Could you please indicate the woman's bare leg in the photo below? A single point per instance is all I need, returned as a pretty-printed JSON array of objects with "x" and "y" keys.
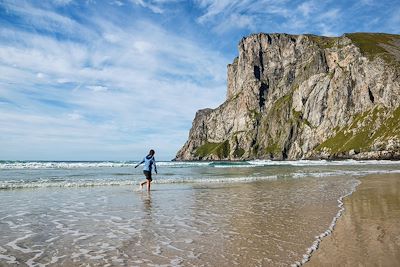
[{"x": 148, "y": 185}]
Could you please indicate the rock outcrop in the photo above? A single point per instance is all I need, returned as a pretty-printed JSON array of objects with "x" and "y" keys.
[{"x": 305, "y": 97}]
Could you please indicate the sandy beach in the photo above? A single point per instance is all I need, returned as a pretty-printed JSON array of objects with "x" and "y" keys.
[{"x": 368, "y": 233}]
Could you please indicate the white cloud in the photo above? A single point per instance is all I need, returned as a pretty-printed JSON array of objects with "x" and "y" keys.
[
  {"x": 144, "y": 86},
  {"x": 326, "y": 30},
  {"x": 148, "y": 4},
  {"x": 97, "y": 88},
  {"x": 367, "y": 2},
  {"x": 118, "y": 3},
  {"x": 213, "y": 8},
  {"x": 330, "y": 15},
  {"x": 112, "y": 38},
  {"x": 394, "y": 20},
  {"x": 75, "y": 116},
  {"x": 228, "y": 15},
  {"x": 306, "y": 8},
  {"x": 40, "y": 75},
  {"x": 236, "y": 21},
  {"x": 62, "y": 2},
  {"x": 268, "y": 15},
  {"x": 43, "y": 19}
]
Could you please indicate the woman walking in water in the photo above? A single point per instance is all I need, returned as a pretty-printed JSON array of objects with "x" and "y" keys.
[{"x": 148, "y": 161}]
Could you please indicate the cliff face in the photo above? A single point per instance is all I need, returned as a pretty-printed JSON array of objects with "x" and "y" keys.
[{"x": 305, "y": 96}]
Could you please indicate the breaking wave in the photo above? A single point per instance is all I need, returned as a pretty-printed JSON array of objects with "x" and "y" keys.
[{"x": 186, "y": 164}]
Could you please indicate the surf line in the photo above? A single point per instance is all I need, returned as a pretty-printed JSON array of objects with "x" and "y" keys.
[{"x": 318, "y": 238}]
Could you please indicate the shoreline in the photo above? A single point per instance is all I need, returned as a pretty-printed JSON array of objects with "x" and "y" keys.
[
  {"x": 319, "y": 238},
  {"x": 367, "y": 234}
]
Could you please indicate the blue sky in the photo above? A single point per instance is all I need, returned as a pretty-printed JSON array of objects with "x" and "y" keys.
[{"x": 108, "y": 80}]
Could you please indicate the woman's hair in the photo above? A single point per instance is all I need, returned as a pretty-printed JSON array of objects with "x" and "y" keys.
[{"x": 151, "y": 152}]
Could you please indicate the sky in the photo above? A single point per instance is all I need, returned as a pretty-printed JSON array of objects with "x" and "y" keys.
[{"x": 110, "y": 79}]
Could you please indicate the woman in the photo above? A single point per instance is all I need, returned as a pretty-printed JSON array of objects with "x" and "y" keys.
[{"x": 148, "y": 161}]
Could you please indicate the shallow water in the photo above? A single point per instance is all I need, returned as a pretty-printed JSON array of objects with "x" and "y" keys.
[
  {"x": 191, "y": 225},
  {"x": 258, "y": 216}
]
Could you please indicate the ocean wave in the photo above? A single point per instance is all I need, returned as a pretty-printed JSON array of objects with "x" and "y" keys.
[
  {"x": 90, "y": 164},
  {"x": 93, "y": 183},
  {"x": 22, "y": 185},
  {"x": 43, "y": 183},
  {"x": 186, "y": 164},
  {"x": 299, "y": 163},
  {"x": 342, "y": 173},
  {"x": 183, "y": 164},
  {"x": 323, "y": 162},
  {"x": 61, "y": 164}
]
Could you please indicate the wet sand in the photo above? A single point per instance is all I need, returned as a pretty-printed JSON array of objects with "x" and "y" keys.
[
  {"x": 263, "y": 223},
  {"x": 368, "y": 233}
]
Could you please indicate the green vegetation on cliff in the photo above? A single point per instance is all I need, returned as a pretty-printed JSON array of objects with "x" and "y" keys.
[
  {"x": 373, "y": 45},
  {"x": 366, "y": 128},
  {"x": 273, "y": 149},
  {"x": 221, "y": 150},
  {"x": 322, "y": 41},
  {"x": 298, "y": 117},
  {"x": 238, "y": 153}
]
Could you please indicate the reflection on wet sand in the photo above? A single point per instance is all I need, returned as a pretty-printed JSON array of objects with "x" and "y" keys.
[
  {"x": 255, "y": 224},
  {"x": 262, "y": 224},
  {"x": 368, "y": 234},
  {"x": 146, "y": 198}
]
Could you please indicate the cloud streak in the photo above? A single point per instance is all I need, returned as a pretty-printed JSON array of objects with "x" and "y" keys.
[{"x": 318, "y": 17}]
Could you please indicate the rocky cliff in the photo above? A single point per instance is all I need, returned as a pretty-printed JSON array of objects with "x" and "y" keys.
[{"x": 303, "y": 97}]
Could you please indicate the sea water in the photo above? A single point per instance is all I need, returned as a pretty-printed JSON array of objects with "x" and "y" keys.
[{"x": 253, "y": 213}]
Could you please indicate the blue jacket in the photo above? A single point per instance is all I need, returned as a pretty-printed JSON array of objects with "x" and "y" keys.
[{"x": 149, "y": 161}]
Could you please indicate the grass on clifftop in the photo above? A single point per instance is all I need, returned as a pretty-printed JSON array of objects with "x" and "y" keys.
[
  {"x": 370, "y": 44},
  {"x": 322, "y": 41}
]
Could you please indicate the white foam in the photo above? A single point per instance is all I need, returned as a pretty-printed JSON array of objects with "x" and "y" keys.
[
  {"x": 111, "y": 181},
  {"x": 92, "y": 164},
  {"x": 183, "y": 164},
  {"x": 54, "y": 259},
  {"x": 342, "y": 173},
  {"x": 82, "y": 237},
  {"x": 236, "y": 166},
  {"x": 323, "y": 162},
  {"x": 83, "y": 183},
  {"x": 216, "y": 180},
  {"x": 31, "y": 262},
  {"x": 318, "y": 239},
  {"x": 52, "y": 239},
  {"x": 108, "y": 182},
  {"x": 13, "y": 244},
  {"x": 9, "y": 259},
  {"x": 63, "y": 165}
]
